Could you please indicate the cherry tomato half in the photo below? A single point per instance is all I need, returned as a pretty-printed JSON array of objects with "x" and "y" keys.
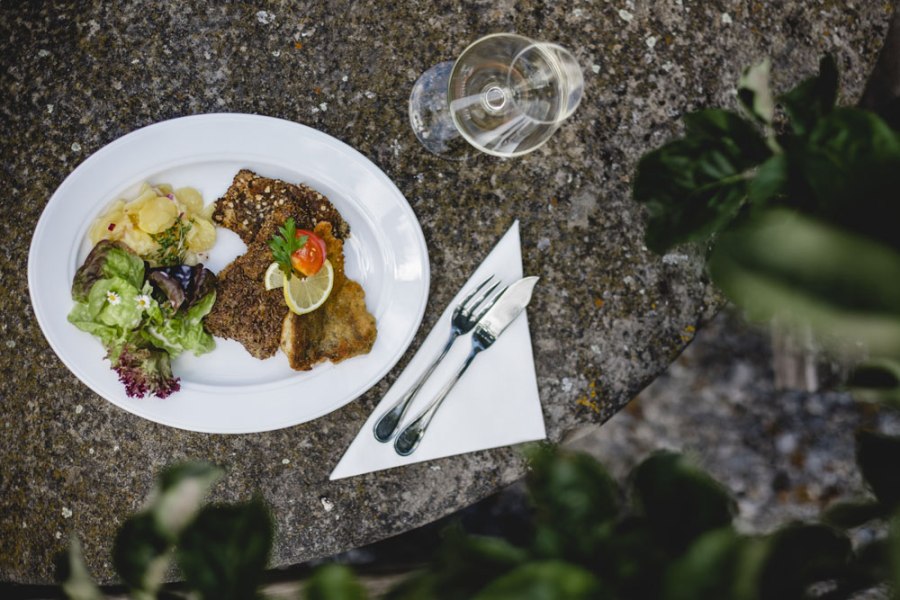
[{"x": 310, "y": 258}]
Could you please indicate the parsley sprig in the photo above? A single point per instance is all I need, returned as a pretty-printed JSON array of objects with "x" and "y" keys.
[{"x": 284, "y": 243}]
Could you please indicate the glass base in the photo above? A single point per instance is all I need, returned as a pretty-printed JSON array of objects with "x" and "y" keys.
[{"x": 429, "y": 114}]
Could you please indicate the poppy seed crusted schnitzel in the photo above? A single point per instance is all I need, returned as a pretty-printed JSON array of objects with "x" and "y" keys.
[
  {"x": 252, "y": 199},
  {"x": 255, "y": 207}
]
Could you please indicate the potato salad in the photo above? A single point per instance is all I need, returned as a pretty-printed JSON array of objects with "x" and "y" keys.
[{"x": 164, "y": 226}]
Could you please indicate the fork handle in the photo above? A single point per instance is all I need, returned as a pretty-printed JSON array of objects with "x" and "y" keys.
[
  {"x": 412, "y": 434},
  {"x": 387, "y": 424}
]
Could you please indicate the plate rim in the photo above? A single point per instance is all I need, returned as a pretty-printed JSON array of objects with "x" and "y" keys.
[{"x": 224, "y": 117}]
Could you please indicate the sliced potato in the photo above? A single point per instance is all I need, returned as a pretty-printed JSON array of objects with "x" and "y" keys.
[
  {"x": 157, "y": 215},
  {"x": 190, "y": 198},
  {"x": 139, "y": 241},
  {"x": 115, "y": 216},
  {"x": 201, "y": 236}
]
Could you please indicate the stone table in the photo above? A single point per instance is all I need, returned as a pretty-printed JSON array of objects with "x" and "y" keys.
[{"x": 608, "y": 317}]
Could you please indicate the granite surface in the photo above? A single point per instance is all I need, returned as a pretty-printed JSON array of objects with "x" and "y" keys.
[{"x": 607, "y": 319}]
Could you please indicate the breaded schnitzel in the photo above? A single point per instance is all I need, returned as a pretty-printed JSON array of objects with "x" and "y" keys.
[
  {"x": 254, "y": 207},
  {"x": 341, "y": 328}
]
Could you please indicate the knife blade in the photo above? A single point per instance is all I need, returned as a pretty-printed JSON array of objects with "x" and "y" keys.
[{"x": 507, "y": 308}]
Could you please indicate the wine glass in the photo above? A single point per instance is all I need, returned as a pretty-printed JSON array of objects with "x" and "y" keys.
[{"x": 505, "y": 95}]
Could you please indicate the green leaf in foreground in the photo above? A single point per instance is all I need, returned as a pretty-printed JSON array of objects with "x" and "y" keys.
[
  {"x": 799, "y": 555},
  {"x": 141, "y": 553},
  {"x": 77, "y": 583},
  {"x": 179, "y": 492},
  {"x": 813, "y": 99},
  {"x": 695, "y": 186},
  {"x": 805, "y": 271},
  {"x": 851, "y": 514},
  {"x": 754, "y": 92},
  {"x": 876, "y": 381},
  {"x": 223, "y": 553},
  {"x": 574, "y": 500},
  {"x": 878, "y": 456},
  {"x": 707, "y": 570},
  {"x": 334, "y": 582},
  {"x": 851, "y": 164},
  {"x": 679, "y": 501},
  {"x": 545, "y": 580}
]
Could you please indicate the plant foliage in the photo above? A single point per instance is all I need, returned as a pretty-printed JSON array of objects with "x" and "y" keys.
[{"x": 799, "y": 208}]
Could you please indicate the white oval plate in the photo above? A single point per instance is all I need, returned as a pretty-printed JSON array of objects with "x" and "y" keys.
[{"x": 227, "y": 390}]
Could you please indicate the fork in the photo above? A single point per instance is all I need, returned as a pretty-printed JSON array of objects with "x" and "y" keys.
[
  {"x": 408, "y": 439},
  {"x": 466, "y": 314}
]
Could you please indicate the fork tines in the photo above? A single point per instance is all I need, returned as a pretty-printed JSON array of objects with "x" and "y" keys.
[{"x": 471, "y": 302}]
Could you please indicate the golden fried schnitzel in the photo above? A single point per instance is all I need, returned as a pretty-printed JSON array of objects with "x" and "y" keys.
[{"x": 254, "y": 207}]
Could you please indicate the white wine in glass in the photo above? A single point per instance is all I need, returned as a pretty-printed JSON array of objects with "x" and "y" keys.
[{"x": 505, "y": 95}]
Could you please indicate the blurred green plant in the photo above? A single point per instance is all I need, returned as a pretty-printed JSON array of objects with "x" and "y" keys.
[
  {"x": 221, "y": 551},
  {"x": 799, "y": 208},
  {"x": 797, "y": 202},
  {"x": 668, "y": 533}
]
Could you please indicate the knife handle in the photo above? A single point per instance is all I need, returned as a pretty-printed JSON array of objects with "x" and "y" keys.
[
  {"x": 386, "y": 425},
  {"x": 412, "y": 434}
]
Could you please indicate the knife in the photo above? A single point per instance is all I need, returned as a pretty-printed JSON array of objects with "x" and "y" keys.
[{"x": 507, "y": 308}]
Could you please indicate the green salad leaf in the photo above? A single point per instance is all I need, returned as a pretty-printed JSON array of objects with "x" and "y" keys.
[
  {"x": 184, "y": 331},
  {"x": 107, "y": 259},
  {"x": 115, "y": 302}
]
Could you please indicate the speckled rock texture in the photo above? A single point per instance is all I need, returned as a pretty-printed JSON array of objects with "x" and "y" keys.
[{"x": 608, "y": 317}]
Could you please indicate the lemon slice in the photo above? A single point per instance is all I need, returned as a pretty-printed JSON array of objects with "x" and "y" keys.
[
  {"x": 306, "y": 294},
  {"x": 274, "y": 277}
]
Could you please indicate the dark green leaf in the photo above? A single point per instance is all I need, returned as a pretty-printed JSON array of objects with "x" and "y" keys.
[
  {"x": 851, "y": 162},
  {"x": 893, "y": 552},
  {"x": 181, "y": 488},
  {"x": 878, "y": 456},
  {"x": 848, "y": 515},
  {"x": 77, "y": 583},
  {"x": 876, "y": 381},
  {"x": 462, "y": 566},
  {"x": 545, "y": 580},
  {"x": 418, "y": 585},
  {"x": 694, "y": 187},
  {"x": 771, "y": 180},
  {"x": 574, "y": 499},
  {"x": 630, "y": 559},
  {"x": 679, "y": 501},
  {"x": 813, "y": 99},
  {"x": 223, "y": 553},
  {"x": 708, "y": 570},
  {"x": 334, "y": 582},
  {"x": 140, "y": 552},
  {"x": 843, "y": 285},
  {"x": 800, "y": 555}
]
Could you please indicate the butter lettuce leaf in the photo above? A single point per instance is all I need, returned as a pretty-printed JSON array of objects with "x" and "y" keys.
[
  {"x": 107, "y": 259},
  {"x": 183, "y": 332},
  {"x": 110, "y": 311}
]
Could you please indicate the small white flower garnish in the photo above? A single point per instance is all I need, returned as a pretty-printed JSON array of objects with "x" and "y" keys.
[
  {"x": 112, "y": 297},
  {"x": 142, "y": 301}
]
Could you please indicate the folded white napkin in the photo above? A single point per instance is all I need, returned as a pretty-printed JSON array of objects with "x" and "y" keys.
[{"x": 495, "y": 403}]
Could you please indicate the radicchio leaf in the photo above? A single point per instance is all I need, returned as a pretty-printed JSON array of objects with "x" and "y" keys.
[{"x": 182, "y": 286}]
